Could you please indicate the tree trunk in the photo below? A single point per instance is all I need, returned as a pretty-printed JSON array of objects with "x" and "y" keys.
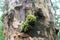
[{"x": 16, "y": 14}]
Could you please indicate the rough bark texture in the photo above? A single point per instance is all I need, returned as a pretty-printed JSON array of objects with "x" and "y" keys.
[{"x": 44, "y": 28}]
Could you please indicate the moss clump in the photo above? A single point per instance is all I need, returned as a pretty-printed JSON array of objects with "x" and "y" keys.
[
  {"x": 31, "y": 19},
  {"x": 29, "y": 23}
]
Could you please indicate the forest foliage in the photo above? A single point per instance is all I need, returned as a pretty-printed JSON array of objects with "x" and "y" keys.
[
  {"x": 56, "y": 7},
  {"x": 1, "y": 21}
]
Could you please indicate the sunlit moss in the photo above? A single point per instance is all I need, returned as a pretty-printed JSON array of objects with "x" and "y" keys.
[{"x": 29, "y": 23}]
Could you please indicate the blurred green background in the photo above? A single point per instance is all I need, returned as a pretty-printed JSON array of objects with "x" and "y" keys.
[
  {"x": 1, "y": 22},
  {"x": 56, "y": 7}
]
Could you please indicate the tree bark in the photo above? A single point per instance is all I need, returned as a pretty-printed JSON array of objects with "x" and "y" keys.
[{"x": 43, "y": 30}]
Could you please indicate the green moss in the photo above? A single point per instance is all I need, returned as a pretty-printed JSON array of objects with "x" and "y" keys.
[
  {"x": 25, "y": 26},
  {"x": 31, "y": 19},
  {"x": 29, "y": 23}
]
